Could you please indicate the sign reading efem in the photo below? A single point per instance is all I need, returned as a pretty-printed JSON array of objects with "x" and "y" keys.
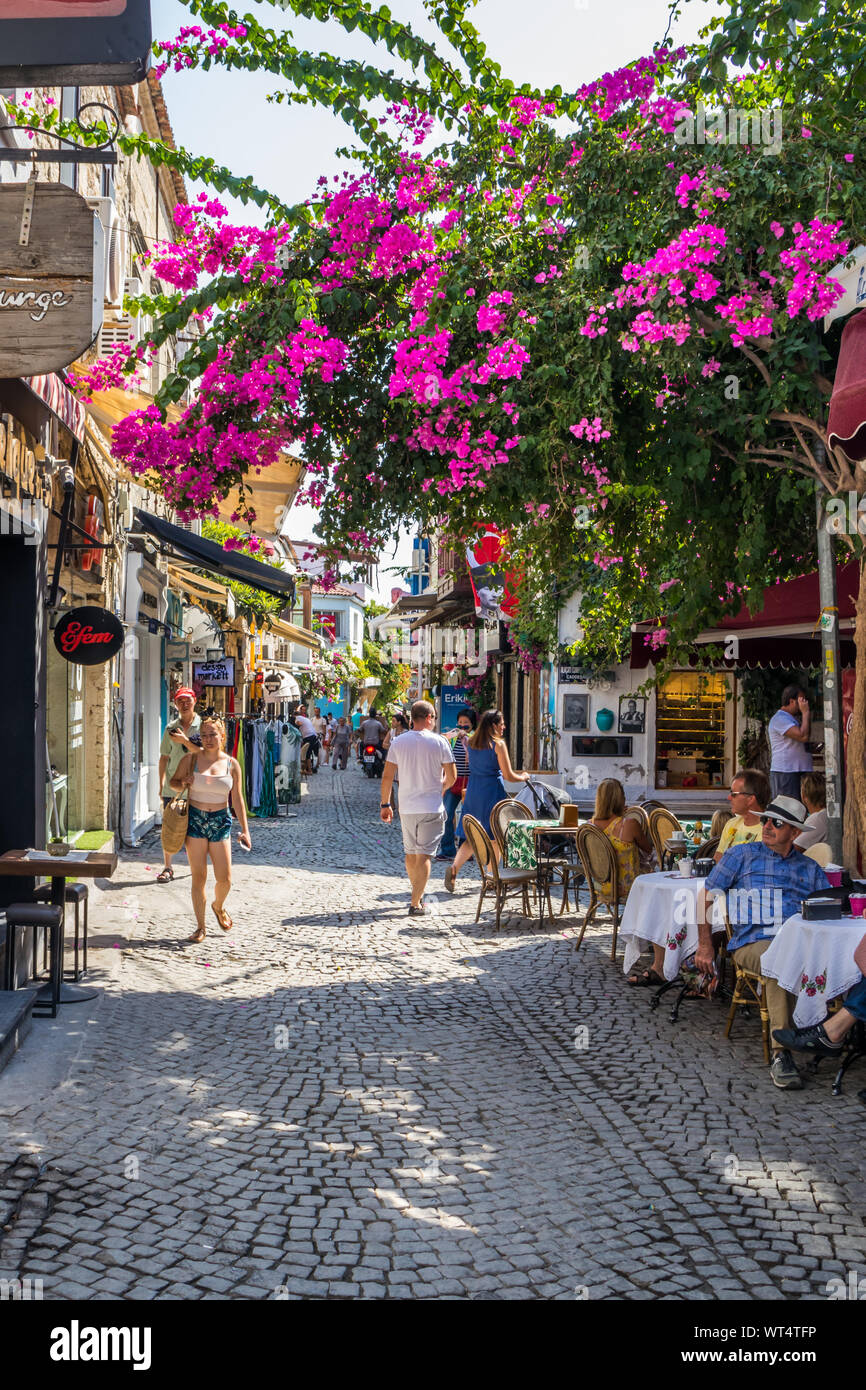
[{"x": 71, "y": 43}]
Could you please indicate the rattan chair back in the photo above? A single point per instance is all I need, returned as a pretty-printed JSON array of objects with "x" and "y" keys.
[
  {"x": 707, "y": 849},
  {"x": 639, "y": 814},
  {"x": 662, "y": 824},
  {"x": 480, "y": 844},
  {"x": 503, "y": 813},
  {"x": 598, "y": 858},
  {"x": 822, "y": 854}
]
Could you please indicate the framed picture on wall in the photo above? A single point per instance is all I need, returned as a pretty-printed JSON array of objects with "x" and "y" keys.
[
  {"x": 632, "y": 714},
  {"x": 575, "y": 711}
]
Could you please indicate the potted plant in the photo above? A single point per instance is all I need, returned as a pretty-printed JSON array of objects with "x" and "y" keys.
[{"x": 58, "y": 847}]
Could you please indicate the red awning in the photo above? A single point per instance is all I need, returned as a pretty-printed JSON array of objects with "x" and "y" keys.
[
  {"x": 60, "y": 400},
  {"x": 792, "y": 603},
  {"x": 796, "y": 602},
  {"x": 846, "y": 427}
]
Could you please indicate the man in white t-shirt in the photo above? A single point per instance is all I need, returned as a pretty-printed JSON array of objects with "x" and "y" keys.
[
  {"x": 309, "y": 740},
  {"x": 788, "y": 738},
  {"x": 425, "y": 763}
]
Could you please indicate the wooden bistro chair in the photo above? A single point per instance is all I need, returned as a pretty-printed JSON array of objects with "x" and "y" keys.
[
  {"x": 748, "y": 993},
  {"x": 821, "y": 855},
  {"x": 495, "y": 877},
  {"x": 662, "y": 824},
  {"x": 503, "y": 813},
  {"x": 639, "y": 814},
  {"x": 600, "y": 866}
]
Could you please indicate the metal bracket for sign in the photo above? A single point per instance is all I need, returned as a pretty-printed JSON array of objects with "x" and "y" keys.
[
  {"x": 27, "y": 210},
  {"x": 78, "y": 154}
]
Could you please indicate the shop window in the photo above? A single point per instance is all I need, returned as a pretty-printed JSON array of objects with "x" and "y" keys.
[{"x": 692, "y": 739}]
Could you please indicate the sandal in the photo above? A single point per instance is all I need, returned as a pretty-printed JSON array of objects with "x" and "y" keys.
[
  {"x": 222, "y": 917},
  {"x": 166, "y": 876},
  {"x": 198, "y": 935},
  {"x": 647, "y": 980}
]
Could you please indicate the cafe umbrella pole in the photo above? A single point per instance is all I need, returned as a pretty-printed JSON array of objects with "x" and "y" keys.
[{"x": 830, "y": 673}]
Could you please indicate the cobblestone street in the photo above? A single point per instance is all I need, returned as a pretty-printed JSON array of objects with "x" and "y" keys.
[{"x": 336, "y": 1100}]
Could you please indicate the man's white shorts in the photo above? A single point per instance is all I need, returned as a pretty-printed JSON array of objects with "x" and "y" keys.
[{"x": 422, "y": 833}]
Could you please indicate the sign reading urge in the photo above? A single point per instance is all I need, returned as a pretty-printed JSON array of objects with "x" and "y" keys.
[{"x": 50, "y": 294}]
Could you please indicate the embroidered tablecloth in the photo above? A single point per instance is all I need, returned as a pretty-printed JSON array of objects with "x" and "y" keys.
[
  {"x": 814, "y": 961},
  {"x": 661, "y": 909}
]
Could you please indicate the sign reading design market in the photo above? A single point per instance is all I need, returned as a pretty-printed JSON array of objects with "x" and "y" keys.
[
  {"x": 220, "y": 673},
  {"x": 70, "y": 43},
  {"x": 51, "y": 291},
  {"x": 88, "y": 636}
]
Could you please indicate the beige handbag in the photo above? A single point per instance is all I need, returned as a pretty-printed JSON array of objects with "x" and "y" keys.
[{"x": 175, "y": 820}]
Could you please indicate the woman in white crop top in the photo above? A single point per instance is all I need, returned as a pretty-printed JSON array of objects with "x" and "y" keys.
[{"x": 212, "y": 777}]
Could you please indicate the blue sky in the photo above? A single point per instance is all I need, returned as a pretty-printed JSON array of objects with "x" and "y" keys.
[{"x": 286, "y": 148}]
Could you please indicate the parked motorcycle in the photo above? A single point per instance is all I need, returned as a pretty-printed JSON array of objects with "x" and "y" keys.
[{"x": 372, "y": 760}]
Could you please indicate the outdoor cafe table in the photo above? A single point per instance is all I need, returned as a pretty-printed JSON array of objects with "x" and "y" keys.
[
  {"x": 814, "y": 961},
  {"x": 35, "y": 863},
  {"x": 520, "y": 840},
  {"x": 521, "y": 849},
  {"x": 662, "y": 909}
]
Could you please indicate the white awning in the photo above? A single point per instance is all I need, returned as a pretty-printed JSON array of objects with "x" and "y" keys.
[{"x": 280, "y": 685}]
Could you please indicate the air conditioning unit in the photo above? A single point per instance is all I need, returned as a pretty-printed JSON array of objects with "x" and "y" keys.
[
  {"x": 194, "y": 527},
  {"x": 116, "y": 248},
  {"x": 121, "y": 331},
  {"x": 125, "y": 513},
  {"x": 131, "y": 287}
]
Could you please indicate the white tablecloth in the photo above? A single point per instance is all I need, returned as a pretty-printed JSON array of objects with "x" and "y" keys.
[
  {"x": 814, "y": 961},
  {"x": 662, "y": 909}
]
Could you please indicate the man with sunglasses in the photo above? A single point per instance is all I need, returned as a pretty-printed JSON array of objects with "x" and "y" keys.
[
  {"x": 764, "y": 885},
  {"x": 466, "y": 722},
  {"x": 749, "y": 796}
]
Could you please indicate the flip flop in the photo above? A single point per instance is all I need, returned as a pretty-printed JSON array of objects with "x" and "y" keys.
[
  {"x": 198, "y": 935},
  {"x": 166, "y": 876},
  {"x": 221, "y": 913},
  {"x": 648, "y": 980}
]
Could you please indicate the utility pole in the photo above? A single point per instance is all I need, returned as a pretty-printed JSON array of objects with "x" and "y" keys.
[{"x": 830, "y": 673}]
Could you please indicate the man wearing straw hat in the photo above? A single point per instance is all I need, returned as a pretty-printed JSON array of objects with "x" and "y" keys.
[{"x": 177, "y": 741}]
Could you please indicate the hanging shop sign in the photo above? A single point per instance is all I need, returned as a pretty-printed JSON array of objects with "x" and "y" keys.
[
  {"x": 220, "y": 673},
  {"x": 70, "y": 43},
  {"x": 580, "y": 675},
  {"x": 51, "y": 273},
  {"x": 455, "y": 698},
  {"x": 88, "y": 636},
  {"x": 19, "y": 465}
]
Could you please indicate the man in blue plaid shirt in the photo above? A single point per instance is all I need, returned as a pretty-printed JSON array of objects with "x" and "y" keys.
[{"x": 764, "y": 885}]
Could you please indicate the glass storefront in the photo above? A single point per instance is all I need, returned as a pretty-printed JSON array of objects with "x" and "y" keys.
[{"x": 694, "y": 730}]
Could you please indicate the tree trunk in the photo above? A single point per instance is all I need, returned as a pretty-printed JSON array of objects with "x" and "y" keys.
[{"x": 855, "y": 786}]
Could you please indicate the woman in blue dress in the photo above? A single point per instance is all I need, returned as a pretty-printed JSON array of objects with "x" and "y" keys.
[{"x": 489, "y": 763}]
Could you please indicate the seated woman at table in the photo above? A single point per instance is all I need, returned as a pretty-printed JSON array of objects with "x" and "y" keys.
[
  {"x": 628, "y": 840},
  {"x": 749, "y": 795},
  {"x": 813, "y": 790}
]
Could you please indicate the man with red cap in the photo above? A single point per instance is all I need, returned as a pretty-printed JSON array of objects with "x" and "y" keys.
[{"x": 176, "y": 743}]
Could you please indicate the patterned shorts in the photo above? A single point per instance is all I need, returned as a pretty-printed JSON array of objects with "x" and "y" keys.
[{"x": 209, "y": 825}]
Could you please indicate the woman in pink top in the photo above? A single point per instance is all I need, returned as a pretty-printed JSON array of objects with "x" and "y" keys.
[{"x": 212, "y": 777}]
